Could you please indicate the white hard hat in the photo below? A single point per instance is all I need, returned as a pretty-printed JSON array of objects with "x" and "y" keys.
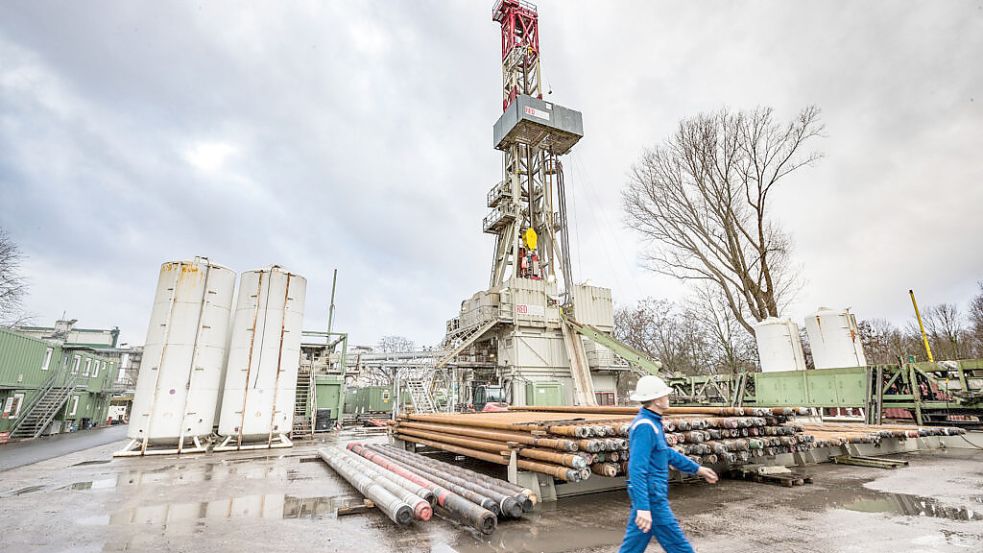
[{"x": 650, "y": 387}]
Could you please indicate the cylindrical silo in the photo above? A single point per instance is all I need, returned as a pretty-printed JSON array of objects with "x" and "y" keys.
[
  {"x": 181, "y": 370},
  {"x": 835, "y": 339},
  {"x": 264, "y": 356},
  {"x": 779, "y": 345}
]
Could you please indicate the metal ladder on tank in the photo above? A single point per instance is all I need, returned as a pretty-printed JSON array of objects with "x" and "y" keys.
[{"x": 305, "y": 412}]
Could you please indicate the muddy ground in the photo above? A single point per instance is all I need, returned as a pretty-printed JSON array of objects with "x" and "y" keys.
[{"x": 287, "y": 501}]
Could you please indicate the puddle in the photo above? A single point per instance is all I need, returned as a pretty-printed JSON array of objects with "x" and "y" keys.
[
  {"x": 86, "y": 463},
  {"x": 269, "y": 506},
  {"x": 23, "y": 491},
  {"x": 865, "y": 500},
  {"x": 912, "y": 505}
]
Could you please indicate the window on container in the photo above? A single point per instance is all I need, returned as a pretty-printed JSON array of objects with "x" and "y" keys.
[
  {"x": 88, "y": 367},
  {"x": 15, "y": 405},
  {"x": 47, "y": 359},
  {"x": 76, "y": 361},
  {"x": 74, "y": 406}
]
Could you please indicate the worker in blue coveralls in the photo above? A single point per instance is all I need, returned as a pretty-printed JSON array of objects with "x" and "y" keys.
[{"x": 649, "y": 458}]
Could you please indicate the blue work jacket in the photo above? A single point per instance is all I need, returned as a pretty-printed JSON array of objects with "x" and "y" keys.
[{"x": 649, "y": 459}]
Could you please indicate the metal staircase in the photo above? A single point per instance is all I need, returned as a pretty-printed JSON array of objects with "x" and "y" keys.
[
  {"x": 39, "y": 414},
  {"x": 462, "y": 341},
  {"x": 420, "y": 395},
  {"x": 304, "y": 413}
]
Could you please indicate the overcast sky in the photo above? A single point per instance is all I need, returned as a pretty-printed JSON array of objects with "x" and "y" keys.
[{"x": 357, "y": 136}]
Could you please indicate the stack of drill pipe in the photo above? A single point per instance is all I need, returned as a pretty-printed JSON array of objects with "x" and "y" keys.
[
  {"x": 524, "y": 496},
  {"x": 458, "y": 506},
  {"x": 396, "y": 509},
  {"x": 467, "y": 492},
  {"x": 566, "y": 459},
  {"x": 588, "y": 436},
  {"x": 510, "y": 504},
  {"x": 503, "y": 436},
  {"x": 415, "y": 496},
  {"x": 835, "y": 434}
]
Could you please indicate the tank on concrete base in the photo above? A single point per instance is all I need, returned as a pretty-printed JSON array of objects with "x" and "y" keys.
[
  {"x": 264, "y": 356},
  {"x": 779, "y": 345},
  {"x": 184, "y": 354},
  {"x": 835, "y": 339}
]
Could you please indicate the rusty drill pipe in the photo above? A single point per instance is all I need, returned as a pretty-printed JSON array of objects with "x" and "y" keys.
[
  {"x": 558, "y": 458},
  {"x": 524, "y": 496},
  {"x": 505, "y": 504},
  {"x": 563, "y": 473},
  {"x": 605, "y": 469},
  {"x": 422, "y": 509},
  {"x": 482, "y": 519},
  {"x": 498, "y": 436},
  {"x": 394, "y": 508}
]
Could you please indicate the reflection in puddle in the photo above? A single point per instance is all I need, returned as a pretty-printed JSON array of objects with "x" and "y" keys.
[
  {"x": 269, "y": 506},
  {"x": 22, "y": 491},
  {"x": 912, "y": 505},
  {"x": 86, "y": 463}
]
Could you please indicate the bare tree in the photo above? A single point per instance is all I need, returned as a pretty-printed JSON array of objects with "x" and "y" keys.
[
  {"x": 13, "y": 287},
  {"x": 945, "y": 330},
  {"x": 976, "y": 321},
  {"x": 395, "y": 344},
  {"x": 701, "y": 201},
  {"x": 730, "y": 347},
  {"x": 884, "y": 343}
]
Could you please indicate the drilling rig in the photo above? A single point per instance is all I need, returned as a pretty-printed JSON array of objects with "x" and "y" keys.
[{"x": 534, "y": 337}]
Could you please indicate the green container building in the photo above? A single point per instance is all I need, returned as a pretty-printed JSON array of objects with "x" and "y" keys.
[{"x": 31, "y": 368}]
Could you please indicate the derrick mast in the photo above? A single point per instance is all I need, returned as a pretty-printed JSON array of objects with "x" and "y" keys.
[{"x": 527, "y": 207}]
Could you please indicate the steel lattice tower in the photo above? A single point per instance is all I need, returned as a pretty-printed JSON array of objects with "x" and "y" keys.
[{"x": 530, "y": 194}]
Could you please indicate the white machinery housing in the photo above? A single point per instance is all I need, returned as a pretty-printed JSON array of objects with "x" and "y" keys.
[
  {"x": 183, "y": 358},
  {"x": 264, "y": 356}
]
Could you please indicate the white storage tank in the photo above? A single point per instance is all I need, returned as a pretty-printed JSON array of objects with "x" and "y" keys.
[
  {"x": 779, "y": 345},
  {"x": 264, "y": 357},
  {"x": 183, "y": 357},
  {"x": 835, "y": 339}
]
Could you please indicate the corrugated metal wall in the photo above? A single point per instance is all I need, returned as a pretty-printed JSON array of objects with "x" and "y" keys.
[{"x": 21, "y": 358}]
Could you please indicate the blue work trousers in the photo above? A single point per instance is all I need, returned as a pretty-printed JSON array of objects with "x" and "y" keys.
[{"x": 665, "y": 529}]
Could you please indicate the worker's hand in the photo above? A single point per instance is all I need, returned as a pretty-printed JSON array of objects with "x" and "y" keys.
[
  {"x": 643, "y": 519},
  {"x": 708, "y": 474}
]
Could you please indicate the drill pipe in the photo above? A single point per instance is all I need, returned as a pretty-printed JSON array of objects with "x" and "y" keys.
[
  {"x": 605, "y": 469},
  {"x": 565, "y": 459},
  {"x": 498, "y": 436},
  {"x": 394, "y": 508},
  {"x": 421, "y": 507},
  {"x": 504, "y": 504},
  {"x": 420, "y": 490},
  {"x": 476, "y": 515},
  {"x": 563, "y": 473},
  {"x": 524, "y": 496}
]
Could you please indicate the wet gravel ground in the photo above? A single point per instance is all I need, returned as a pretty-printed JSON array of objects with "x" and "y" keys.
[{"x": 286, "y": 500}]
